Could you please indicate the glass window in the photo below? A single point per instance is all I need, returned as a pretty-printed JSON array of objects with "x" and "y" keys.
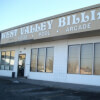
[
  {"x": 7, "y": 60},
  {"x": 6, "y": 67},
  {"x": 86, "y": 58},
  {"x": 12, "y": 60},
  {"x": 49, "y": 59},
  {"x": 34, "y": 53},
  {"x": 7, "y": 57},
  {"x": 97, "y": 59},
  {"x": 2, "y": 67},
  {"x": 41, "y": 59},
  {"x": 3, "y": 57},
  {"x": 73, "y": 59}
]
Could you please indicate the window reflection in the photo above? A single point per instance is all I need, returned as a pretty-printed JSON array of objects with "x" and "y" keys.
[
  {"x": 41, "y": 59},
  {"x": 97, "y": 59},
  {"x": 7, "y": 60},
  {"x": 49, "y": 60},
  {"x": 86, "y": 58},
  {"x": 6, "y": 67},
  {"x": 73, "y": 60},
  {"x": 3, "y": 57},
  {"x": 34, "y": 60},
  {"x": 12, "y": 60},
  {"x": 7, "y": 57},
  {"x": 2, "y": 67}
]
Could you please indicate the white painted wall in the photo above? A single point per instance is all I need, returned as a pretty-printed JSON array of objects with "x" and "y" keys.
[{"x": 60, "y": 62}]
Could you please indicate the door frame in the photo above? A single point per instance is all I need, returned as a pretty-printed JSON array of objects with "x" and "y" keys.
[{"x": 18, "y": 64}]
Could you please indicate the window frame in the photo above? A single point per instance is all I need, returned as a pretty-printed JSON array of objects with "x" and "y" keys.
[
  {"x": 44, "y": 60},
  {"x": 68, "y": 59},
  {"x": 31, "y": 59},
  {"x": 5, "y": 59},
  {"x": 80, "y": 58},
  {"x": 92, "y": 58}
]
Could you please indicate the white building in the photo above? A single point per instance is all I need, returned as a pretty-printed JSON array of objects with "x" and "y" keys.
[{"x": 62, "y": 48}]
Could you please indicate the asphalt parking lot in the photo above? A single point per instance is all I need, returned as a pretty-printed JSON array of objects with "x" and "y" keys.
[{"x": 14, "y": 90}]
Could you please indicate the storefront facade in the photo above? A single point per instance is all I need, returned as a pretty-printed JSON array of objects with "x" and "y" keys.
[{"x": 62, "y": 48}]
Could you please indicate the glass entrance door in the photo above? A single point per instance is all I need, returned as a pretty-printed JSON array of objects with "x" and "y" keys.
[{"x": 21, "y": 65}]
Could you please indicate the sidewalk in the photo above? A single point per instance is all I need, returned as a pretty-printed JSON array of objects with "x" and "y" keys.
[{"x": 77, "y": 87}]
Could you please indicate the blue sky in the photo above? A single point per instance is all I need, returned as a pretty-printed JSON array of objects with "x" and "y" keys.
[{"x": 17, "y": 12}]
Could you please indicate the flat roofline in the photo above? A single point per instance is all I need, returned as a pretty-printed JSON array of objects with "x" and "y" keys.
[{"x": 52, "y": 17}]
